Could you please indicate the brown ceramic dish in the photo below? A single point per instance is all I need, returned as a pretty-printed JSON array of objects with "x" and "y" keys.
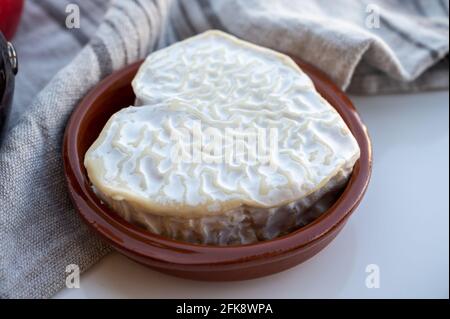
[{"x": 199, "y": 261}]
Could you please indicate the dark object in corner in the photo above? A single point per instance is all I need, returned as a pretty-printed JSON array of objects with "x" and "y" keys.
[{"x": 8, "y": 69}]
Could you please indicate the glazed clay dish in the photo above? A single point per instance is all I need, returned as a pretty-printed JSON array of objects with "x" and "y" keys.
[{"x": 238, "y": 258}]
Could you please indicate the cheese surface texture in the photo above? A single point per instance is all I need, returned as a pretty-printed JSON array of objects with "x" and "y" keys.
[{"x": 223, "y": 124}]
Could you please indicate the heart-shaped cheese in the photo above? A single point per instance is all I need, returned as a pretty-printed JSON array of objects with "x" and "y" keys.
[{"x": 173, "y": 156}]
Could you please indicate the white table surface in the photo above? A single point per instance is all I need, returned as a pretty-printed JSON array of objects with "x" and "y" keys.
[{"x": 402, "y": 225}]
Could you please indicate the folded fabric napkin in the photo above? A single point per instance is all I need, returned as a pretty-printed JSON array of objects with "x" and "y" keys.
[{"x": 364, "y": 46}]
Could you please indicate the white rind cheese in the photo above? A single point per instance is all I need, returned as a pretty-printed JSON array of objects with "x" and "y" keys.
[{"x": 198, "y": 97}]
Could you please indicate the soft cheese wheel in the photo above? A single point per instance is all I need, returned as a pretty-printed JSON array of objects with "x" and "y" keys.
[{"x": 217, "y": 83}]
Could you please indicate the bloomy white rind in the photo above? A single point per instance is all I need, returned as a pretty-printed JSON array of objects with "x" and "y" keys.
[
  {"x": 316, "y": 146},
  {"x": 140, "y": 84}
]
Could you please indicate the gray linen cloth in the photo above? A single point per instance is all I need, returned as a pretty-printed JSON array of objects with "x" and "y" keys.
[{"x": 366, "y": 47}]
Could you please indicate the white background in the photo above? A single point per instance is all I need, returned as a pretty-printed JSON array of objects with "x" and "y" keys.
[{"x": 402, "y": 225}]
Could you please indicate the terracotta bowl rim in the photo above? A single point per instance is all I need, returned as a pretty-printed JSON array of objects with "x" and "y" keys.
[{"x": 137, "y": 241}]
